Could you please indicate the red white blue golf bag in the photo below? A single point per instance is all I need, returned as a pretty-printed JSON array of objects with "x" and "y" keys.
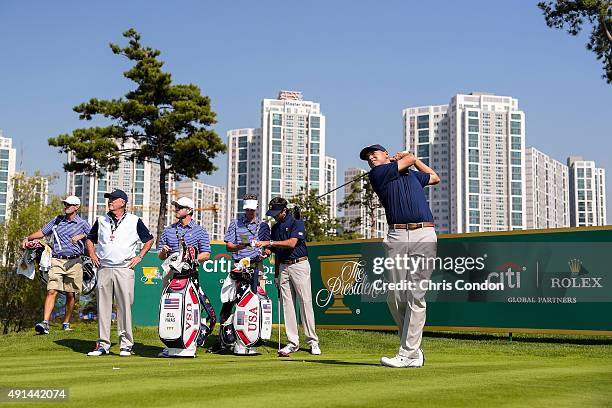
[
  {"x": 186, "y": 316},
  {"x": 251, "y": 323}
]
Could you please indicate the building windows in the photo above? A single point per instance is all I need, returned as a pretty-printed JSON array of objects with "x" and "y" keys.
[
  {"x": 277, "y": 119},
  {"x": 315, "y": 122},
  {"x": 276, "y": 146},
  {"x": 473, "y": 201},
  {"x": 473, "y": 170},
  {"x": 473, "y": 140},
  {"x": 423, "y": 136},
  {"x": 473, "y": 155},
  {"x": 474, "y": 187},
  {"x": 314, "y": 175},
  {"x": 276, "y": 132},
  {"x": 423, "y": 151},
  {"x": 474, "y": 217},
  {"x": 276, "y": 159}
]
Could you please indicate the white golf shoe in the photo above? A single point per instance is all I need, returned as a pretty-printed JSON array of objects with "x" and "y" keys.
[
  {"x": 287, "y": 350},
  {"x": 404, "y": 362},
  {"x": 315, "y": 349}
]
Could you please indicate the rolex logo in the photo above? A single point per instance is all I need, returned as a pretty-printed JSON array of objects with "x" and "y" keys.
[{"x": 575, "y": 265}]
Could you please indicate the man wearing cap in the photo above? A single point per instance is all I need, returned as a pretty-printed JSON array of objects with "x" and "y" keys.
[
  {"x": 239, "y": 238},
  {"x": 411, "y": 231},
  {"x": 187, "y": 230},
  {"x": 292, "y": 274},
  {"x": 68, "y": 233},
  {"x": 184, "y": 229},
  {"x": 116, "y": 234}
]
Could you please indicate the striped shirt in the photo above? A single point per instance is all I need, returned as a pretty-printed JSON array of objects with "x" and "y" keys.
[
  {"x": 64, "y": 231},
  {"x": 193, "y": 234},
  {"x": 242, "y": 227}
]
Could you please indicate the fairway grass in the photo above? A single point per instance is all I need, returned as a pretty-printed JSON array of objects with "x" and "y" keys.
[{"x": 461, "y": 370}]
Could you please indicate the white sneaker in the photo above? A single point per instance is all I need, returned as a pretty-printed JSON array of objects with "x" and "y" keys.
[
  {"x": 315, "y": 349},
  {"x": 98, "y": 351},
  {"x": 404, "y": 362},
  {"x": 125, "y": 352},
  {"x": 288, "y": 349}
]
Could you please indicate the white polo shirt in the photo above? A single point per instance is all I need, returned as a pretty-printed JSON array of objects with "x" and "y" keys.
[{"x": 117, "y": 246}]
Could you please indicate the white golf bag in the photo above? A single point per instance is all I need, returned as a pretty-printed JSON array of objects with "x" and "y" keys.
[
  {"x": 182, "y": 324},
  {"x": 251, "y": 323}
]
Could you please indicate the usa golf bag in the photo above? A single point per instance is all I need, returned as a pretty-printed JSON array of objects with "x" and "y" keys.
[
  {"x": 183, "y": 305},
  {"x": 251, "y": 323}
]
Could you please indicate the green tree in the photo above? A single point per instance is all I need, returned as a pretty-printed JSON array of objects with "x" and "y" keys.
[
  {"x": 21, "y": 300},
  {"x": 362, "y": 195},
  {"x": 320, "y": 226},
  {"x": 574, "y": 15},
  {"x": 169, "y": 125}
]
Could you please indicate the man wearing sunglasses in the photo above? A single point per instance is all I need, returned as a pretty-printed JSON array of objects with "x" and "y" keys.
[
  {"x": 184, "y": 229},
  {"x": 67, "y": 233},
  {"x": 116, "y": 234},
  {"x": 239, "y": 238}
]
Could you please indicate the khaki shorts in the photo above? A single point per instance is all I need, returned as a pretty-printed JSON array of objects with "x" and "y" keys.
[{"x": 66, "y": 275}]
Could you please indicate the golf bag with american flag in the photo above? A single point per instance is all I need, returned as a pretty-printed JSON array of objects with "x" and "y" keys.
[
  {"x": 186, "y": 316},
  {"x": 251, "y": 323}
]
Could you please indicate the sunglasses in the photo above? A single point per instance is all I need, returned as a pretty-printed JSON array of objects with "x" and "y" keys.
[
  {"x": 67, "y": 204},
  {"x": 179, "y": 207}
]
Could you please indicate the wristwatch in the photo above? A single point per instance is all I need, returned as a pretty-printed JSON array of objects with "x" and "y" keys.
[{"x": 270, "y": 243}]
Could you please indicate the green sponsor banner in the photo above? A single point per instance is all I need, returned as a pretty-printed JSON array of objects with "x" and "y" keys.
[
  {"x": 548, "y": 282},
  {"x": 213, "y": 272}
]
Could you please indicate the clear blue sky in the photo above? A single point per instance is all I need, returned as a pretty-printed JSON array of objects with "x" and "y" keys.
[{"x": 364, "y": 61}]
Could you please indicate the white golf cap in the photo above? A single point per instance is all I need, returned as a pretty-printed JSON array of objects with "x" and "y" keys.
[
  {"x": 184, "y": 202},
  {"x": 249, "y": 205},
  {"x": 72, "y": 200}
]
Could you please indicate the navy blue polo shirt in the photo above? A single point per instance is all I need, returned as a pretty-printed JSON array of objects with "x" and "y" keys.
[
  {"x": 402, "y": 194},
  {"x": 289, "y": 228}
]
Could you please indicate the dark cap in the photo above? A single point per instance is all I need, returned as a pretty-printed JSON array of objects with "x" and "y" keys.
[
  {"x": 117, "y": 194},
  {"x": 364, "y": 152},
  {"x": 276, "y": 205}
]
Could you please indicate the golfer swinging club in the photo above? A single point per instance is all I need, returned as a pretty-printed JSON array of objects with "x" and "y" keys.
[{"x": 411, "y": 231}]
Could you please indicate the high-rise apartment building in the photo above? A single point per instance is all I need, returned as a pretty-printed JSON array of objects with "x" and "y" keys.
[
  {"x": 360, "y": 213},
  {"x": 587, "y": 193},
  {"x": 476, "y": 144},
  {"x": 8, "y": 159},
  {"x": 547, "y": 189},
  {"x": 209, "y": 203},
  {"x": 283, "y": 157}
]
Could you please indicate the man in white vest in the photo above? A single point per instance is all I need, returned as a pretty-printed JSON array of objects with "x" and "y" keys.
[{"x": 116, "y": 234}]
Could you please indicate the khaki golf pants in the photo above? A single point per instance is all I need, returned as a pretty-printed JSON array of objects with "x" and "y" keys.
[
  {"x": 117, "y": 283},
  {"x": 408, "y": 306},
  {"x": 295, "y": 280}
]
